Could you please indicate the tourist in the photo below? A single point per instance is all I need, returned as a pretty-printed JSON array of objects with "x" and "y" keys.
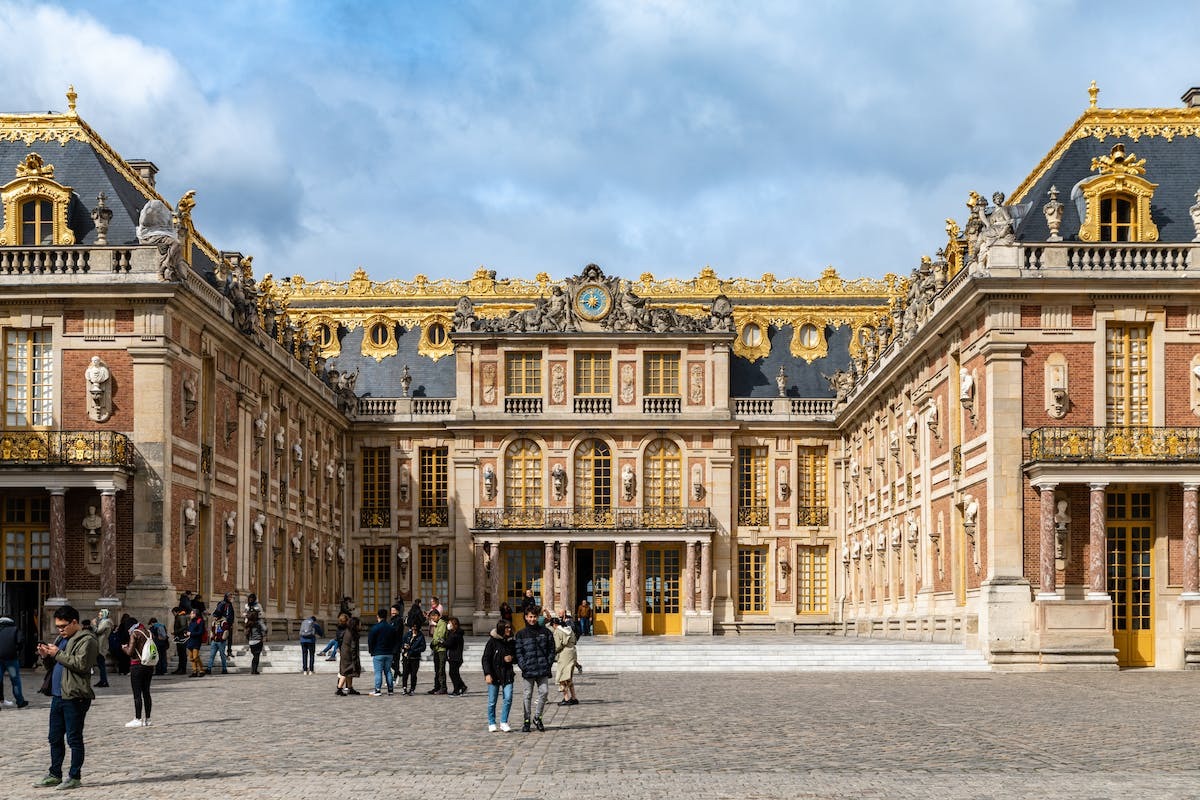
[
  {"x": 381, "y": 644},
  {"x": 217, "y": 637},
  {"x": 140, "y": 673},
  {"x": 196, "y": 632},
  {"x": 185, "y": 600},
  {"x": 69, "y": 662},
  {"x": 454, "y": 655},
  {"x": 180, "y": 634},
  {"x": 437, "y": 644},
  {"x": 528, "y": 602},
  {"x": 224, "y": 610},
  {"x": 252, "y": 604},
  {"x": 102, "y": 626},
  {"x": 410, "y": 658},
  {"x": 310, "y": 629},
  {"x": 499, "y": 673},
  {"x": 117, "y": 639},
  {"x": 397, "y": 623},
  {"x": 256, "y": 637},
  {"x": 346, "y": 606},
  {"x": 162, "y": 642},
  {"x": 506, "y": 612},
  {"x": 415, "y": 615},
  {"x": 12, "y": 641},
  {"x": 349, "y": 661},
  {"x": 535, "y": 654},
  {"x": 565, "y": 660},
  {"x": 435, "y": 604},
  {"x": 583, "y": 617}
]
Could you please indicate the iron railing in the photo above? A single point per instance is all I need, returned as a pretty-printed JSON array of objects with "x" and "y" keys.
[
  {"x": 651, "y": 517},
  {"x": 1118, "y": 443},
  {"x": 812, "y": 515},
  {"x": 66, "y": 448},
  {"x": 434, "y": 516},
  {"x": 754, "y": 515},
  {"x": 374, "y": 518}
]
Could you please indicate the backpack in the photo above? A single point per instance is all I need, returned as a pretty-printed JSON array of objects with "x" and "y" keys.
[
  {"x": 149, "y": 653},
  {"x": 308, "y": 629},
  {"x": 204, "y": 635},
  {"x": 218, "y": 630}
]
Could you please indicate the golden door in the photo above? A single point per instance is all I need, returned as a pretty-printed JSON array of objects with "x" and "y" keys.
[
  {"x": 1131, "y": 576},
  {"x": 661, "y": 586}
]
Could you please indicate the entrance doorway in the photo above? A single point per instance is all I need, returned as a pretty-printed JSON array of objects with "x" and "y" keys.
[
  {"x": 20, "y": 601},
  {"x": 593, "y": 574},
  {"x": 663, "y": 570},
  {"x": 1131, "y": 576},
  {"x": 522, "y": 570}
]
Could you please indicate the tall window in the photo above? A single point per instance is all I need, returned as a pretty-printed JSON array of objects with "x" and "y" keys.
[
  {"x": 662, "y": 374},
  {"x": 433, "y": 572},
  {"x": 37, "y": 222},
  {"x": 810, "y": 486},
  {"x": 26, "y": 555},
  {"x": 376, "y": 579},
  {"x": 1117, "y": 223},
  {"x": 593, "y": 481},
  {"x": 1127, "y": 367},
  {"x": 593, "y": 373},
  {"x": 376, "y": 487},
  {"x": 434, "y": 509},
  {"x": 522, "y": 570},
  {"x": 752, "y": 486},
  {"x": 662, "y": 470},
  {"x": 28, "y": 379},
  {"x": 752, "y": 580},
  {"x": 523, "y": 374},
  {"x": 812, "y": 579},
  {"x": 523, "y": 475}
]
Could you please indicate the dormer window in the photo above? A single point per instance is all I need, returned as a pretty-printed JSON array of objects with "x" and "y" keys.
[
  {"x": 1117, "y": 218},
  {"x": 35, "y": 207},
  {"x": 1117, "y": 200},
  {"x": 37, "y": 222}
]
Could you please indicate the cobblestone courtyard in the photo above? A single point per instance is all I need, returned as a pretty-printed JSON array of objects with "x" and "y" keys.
[{"x": 852, "y": 735}]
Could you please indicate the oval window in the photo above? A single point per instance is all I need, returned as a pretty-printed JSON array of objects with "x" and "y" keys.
[
  {"x": 809, "y": 335},
  {"x": 324, "y": 335},
  {"x": 437, "y": 334},
  {"x": 751, "y": 334},
  {"x": 379, "y": 334}
]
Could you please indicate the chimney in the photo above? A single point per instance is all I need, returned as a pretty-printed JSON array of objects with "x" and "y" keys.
[
  {"x": 144, "y": 168},
  {"x": 1191, "y": 98}
]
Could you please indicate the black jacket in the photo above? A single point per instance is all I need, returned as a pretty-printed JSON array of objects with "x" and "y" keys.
[
  {"x": 381, "y": 639},
  {"x": 454, "y": 646},
  {"x": 11, "y": 640},
  {"x": 415, "y": 616},
  {"x": 502, "y": 672},
  {"x": 535, "y": 651},
  {"x": 414, "y": 645}
]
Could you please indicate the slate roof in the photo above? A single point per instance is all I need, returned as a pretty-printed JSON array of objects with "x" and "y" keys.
[
  {"x": 382, "y": 378},
  {"x": 757, "y": 379}
]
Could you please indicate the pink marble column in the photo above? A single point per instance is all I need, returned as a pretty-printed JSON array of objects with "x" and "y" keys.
[
  {"x": 618, "y": 594},
  {"x": 689, "y": 579},
  {"x": 1098, "y": 542},
  {"x": 1191, "y": 577},
  {"x": 480, "y": 577},
  {"x": 58, "y": 545},
  {"x": 108, "y": 544},
  {"x": 495, "y": 576},
  {"x": 564, "y": 570},
  {"x": 635, "y": 578},
  {"x": 548, "y": 574},
  {"x": 1046, "y": 592},
  {"x": 706, "y": 576}
]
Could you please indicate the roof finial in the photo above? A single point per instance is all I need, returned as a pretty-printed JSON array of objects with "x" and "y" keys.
[
  {"x": 71, "y": 97},
  {"x": 1093, "y": 93}
]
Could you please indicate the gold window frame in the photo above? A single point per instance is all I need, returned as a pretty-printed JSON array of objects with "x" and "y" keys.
[
  {"x": 35, "y": 181},
  {"x": 1120, "y": 174}
]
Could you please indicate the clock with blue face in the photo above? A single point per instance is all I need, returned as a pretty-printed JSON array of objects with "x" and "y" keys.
[{"x": 593, "y": 303}]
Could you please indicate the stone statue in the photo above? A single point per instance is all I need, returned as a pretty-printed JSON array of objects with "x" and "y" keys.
[
  {"x": 231, "y": 526},
  {"x": 189, "y": 516},
  {"x": 910, "y": 427},
  {"x": 1054, "y": 216},
  {"x": 99, "y": 390},
  {"x": 931, "y": 417},
  {"x": 914, "y": 529},
  {"x": 558, "y": 479},
  {"x": 1194, "y": 211},
  {"x": 783, "y": 483},
  {"x": 855, "y": 548},
  {"x": 189, "y": 397},
  {"x": 558, "y": 315},
  {"x": 297, "y": 453},
  {"x": 341, "y": 475},
  {"x": 102, "y": 215},
  {"x": 842, "y": 383},
  {"x": 260, "y": 522},
  {"x": 781, "y": 381},
  {"x": 91, "y": 525},
  {"x": 155, "y": 227},
  {"x": 966, "y": 385},
  {"x": 720, "y": 315},
  {"x": 314, "y": 549},
  {"x": 1062, "y": 514},
  {"x": 297, "y": 543},
  {"x": 895, "y": 539},
  {"x": 489, "y": 481},
  {"x": 260, "y": 427},
  {"x": 329, "y": 553},
  {"x": 279, "y": 441},
  {"x": 329, "y": 471},
  {"x": 341, "y": 554},
  {"x": 628, "y": 483},
  {"x": 464, "y": 314},
  {"x": 314, "y": 463},
  {"x": 970, "y": 512},
  {"x": 997, "y": 229}
]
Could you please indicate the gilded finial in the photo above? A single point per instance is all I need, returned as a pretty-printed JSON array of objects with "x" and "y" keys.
[
  {"x": 1093, "y": 93},
  {"x": 71, "y": 97}
]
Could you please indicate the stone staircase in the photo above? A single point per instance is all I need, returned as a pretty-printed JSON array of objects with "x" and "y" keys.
[{"x": 693, "y": 654}]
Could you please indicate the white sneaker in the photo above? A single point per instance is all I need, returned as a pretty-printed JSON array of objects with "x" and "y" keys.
[
  {"x": 7, "y": 703},
  {"x": 146, "y": 722},
  {"x": 133, "y": 723},
  {"x": 373, "y": 694},
  {"x": 504, "y": 727},
  {"x": 491, "y": 728}
]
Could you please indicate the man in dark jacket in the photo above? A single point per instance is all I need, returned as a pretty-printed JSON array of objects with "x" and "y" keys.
[
  {"x": 381, "y": 644},
  {"x": 179, "y": 632},
  {"x": 12, "y": 642},
  {"x": 535, "y": 654},
  {"x": 224, "y": 610},
  {"x": 70, "y": 661}
]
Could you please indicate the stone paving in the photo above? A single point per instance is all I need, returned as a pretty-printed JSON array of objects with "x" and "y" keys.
[{"x": 641, "y": 735}]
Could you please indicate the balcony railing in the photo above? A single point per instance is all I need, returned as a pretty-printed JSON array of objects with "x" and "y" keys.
[
  {"x": 1120, "y": 443},
  {"x": 522, "y": 405},
  {"x": 73, "y": 260},
  {"x": 754, "y": 515},
  {"x": 437, "y": 516},
  {"x": 661, "y": 405},
  {"x": 1108, "y": 257},
  {"x": 653, "y": 517},
  {"x": 812, "y": 515},
  {"x": 65, "y": 449},
  {"x": 374, "y": 518},
  {"x": 593, "y": 405},
  {"x": 427, "y": 406}
]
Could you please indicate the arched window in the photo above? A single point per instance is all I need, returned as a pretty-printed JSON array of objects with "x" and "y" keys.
[
  {"x": 662, "y": 467},
  {"x": 593, "y": 476},
  {"x": 37, "y": 221},
  {"x": 1117, "y": 218},
  {"x": 523, "y": 474}
]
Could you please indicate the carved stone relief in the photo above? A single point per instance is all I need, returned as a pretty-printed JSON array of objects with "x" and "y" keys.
[
  {"x": 627, "y": 372},
  {"x": 696, "y": 384},
  {"x": 558, "y": 383},
  {"x": 488, "y": 372}
]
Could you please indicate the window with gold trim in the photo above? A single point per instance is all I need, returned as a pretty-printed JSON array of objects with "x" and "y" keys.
[
  {"x": 1118, "y": 222},
  {"x": 433, "y": 572},
  {"x": 752, "y": 580},
  {"x": 523, "y": 475},
  {"x": 662, "y": 374},
  {"x": 28, "y": 378},
  {"x": 376, "y": 479},
  {"x": 812, "y": 579},
  {"x": 752, "y": 486},
  {"x": 433, "y": 466},
  {"x": 37, "y": 222},
  {"x": 26, "y": 554},
  {"x": 523, "y": 374},
  {"x": 662, "y": 467},
  {"x": 811, "y": 499},
  {"x": 1127, "y": 375},
  {"x": 593, "y": 373},
  {"x": 35, "y": 206},
  {"x": 593, "y": 476},
  {"x": 376, "y": 588}
]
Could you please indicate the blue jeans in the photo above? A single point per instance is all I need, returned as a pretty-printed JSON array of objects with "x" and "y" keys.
[
  {"x": 331, "y": 648},
  {"x": 494, "y": 693},
  {"x": 308, "y": 652},
  {"x": 213, "y": 649},
  {"x": 66, "y": 720},
  {"x": 12, "y": 669},
  {"x": 103, "y": 667},
  {"x": 383, "y": 668}
]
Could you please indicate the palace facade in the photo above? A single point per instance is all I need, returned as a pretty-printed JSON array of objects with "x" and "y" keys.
[{"x": 1001, "y": 447}]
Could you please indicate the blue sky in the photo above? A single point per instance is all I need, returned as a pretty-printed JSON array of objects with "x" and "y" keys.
[{"x": 660, "y": 136}]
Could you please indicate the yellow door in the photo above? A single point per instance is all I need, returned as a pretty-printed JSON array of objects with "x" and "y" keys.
[
  {"x": 661, "y": 591},
  {"x": 1130, "y": 576},
  {"x": 593, "y": 580},
  {"x": 522, "y": 570}
]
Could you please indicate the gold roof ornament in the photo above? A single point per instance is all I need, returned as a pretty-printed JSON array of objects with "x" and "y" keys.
[
  {"x": 1117, "y": 162},
  {"x": 34, "y": 167},
  {"x": 1093, "y": 94},
  {"x": 71, "y": 97}
]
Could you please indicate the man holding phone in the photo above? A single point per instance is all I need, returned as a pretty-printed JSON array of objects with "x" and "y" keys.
[{"x": 69, "y": 662}]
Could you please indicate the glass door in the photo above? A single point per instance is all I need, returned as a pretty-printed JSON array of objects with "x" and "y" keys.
[
  {"x": 1130, "y": 576},
  {"x": 663, "y": 570}
]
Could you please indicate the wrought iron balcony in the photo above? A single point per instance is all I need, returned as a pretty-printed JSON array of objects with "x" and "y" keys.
[
  {"x": 812, "y": 515},
  {"x": 754, "y": 515},
  {"x": 651, "y": 517},
  {"x": 66, "y": 449},
  {"x": 435, "y": 516},
  {"x": 374, "y": 518},
  {"x": 1119, "y": 443}
]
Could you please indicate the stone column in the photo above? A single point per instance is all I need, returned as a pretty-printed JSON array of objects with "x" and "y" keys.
[
  {"x": 689, "y": 579},
  {"x": 619, "y": 578},
  {"x": 635, "y": 577},
  {"x": 58, "y": 547},
  {"x": 1046, "y": 592},
  {"x": 1098, "y": 542},
  {"x": 1191, "y": 555},
  {"x": 547, "y": 574},
  {"x": 494, "y": 578},
  {"x": 564, "y": 569},
  {"x": 108, "y": 545},
  {"x": 706, "y": 576},
  {"x": 480, "y": 577}
]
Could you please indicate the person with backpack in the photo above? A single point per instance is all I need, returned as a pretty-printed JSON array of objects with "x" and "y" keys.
[
  {"x": 381, "y": 644},
  {"x": 12, "y": 641},
  {"x": 225, "y": 609},
  {"x": 143, "y": 656},
  {"x": 256, "y": 636},
  {"x": 410, "y": 658},
  {"x": 310, "y": 629},
  {"x": 218, "y": 638},
  {"x": 162, "y": 641},
  {"x": 438, "y": 645},
  {"x": 197, "y": 634}
]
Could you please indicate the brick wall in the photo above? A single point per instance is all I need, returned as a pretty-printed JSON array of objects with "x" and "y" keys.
[
  {"x": 1178, "y": 382},
  {"x": 74, "y": 406},
  {"x": 1080, "y": 367}
]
